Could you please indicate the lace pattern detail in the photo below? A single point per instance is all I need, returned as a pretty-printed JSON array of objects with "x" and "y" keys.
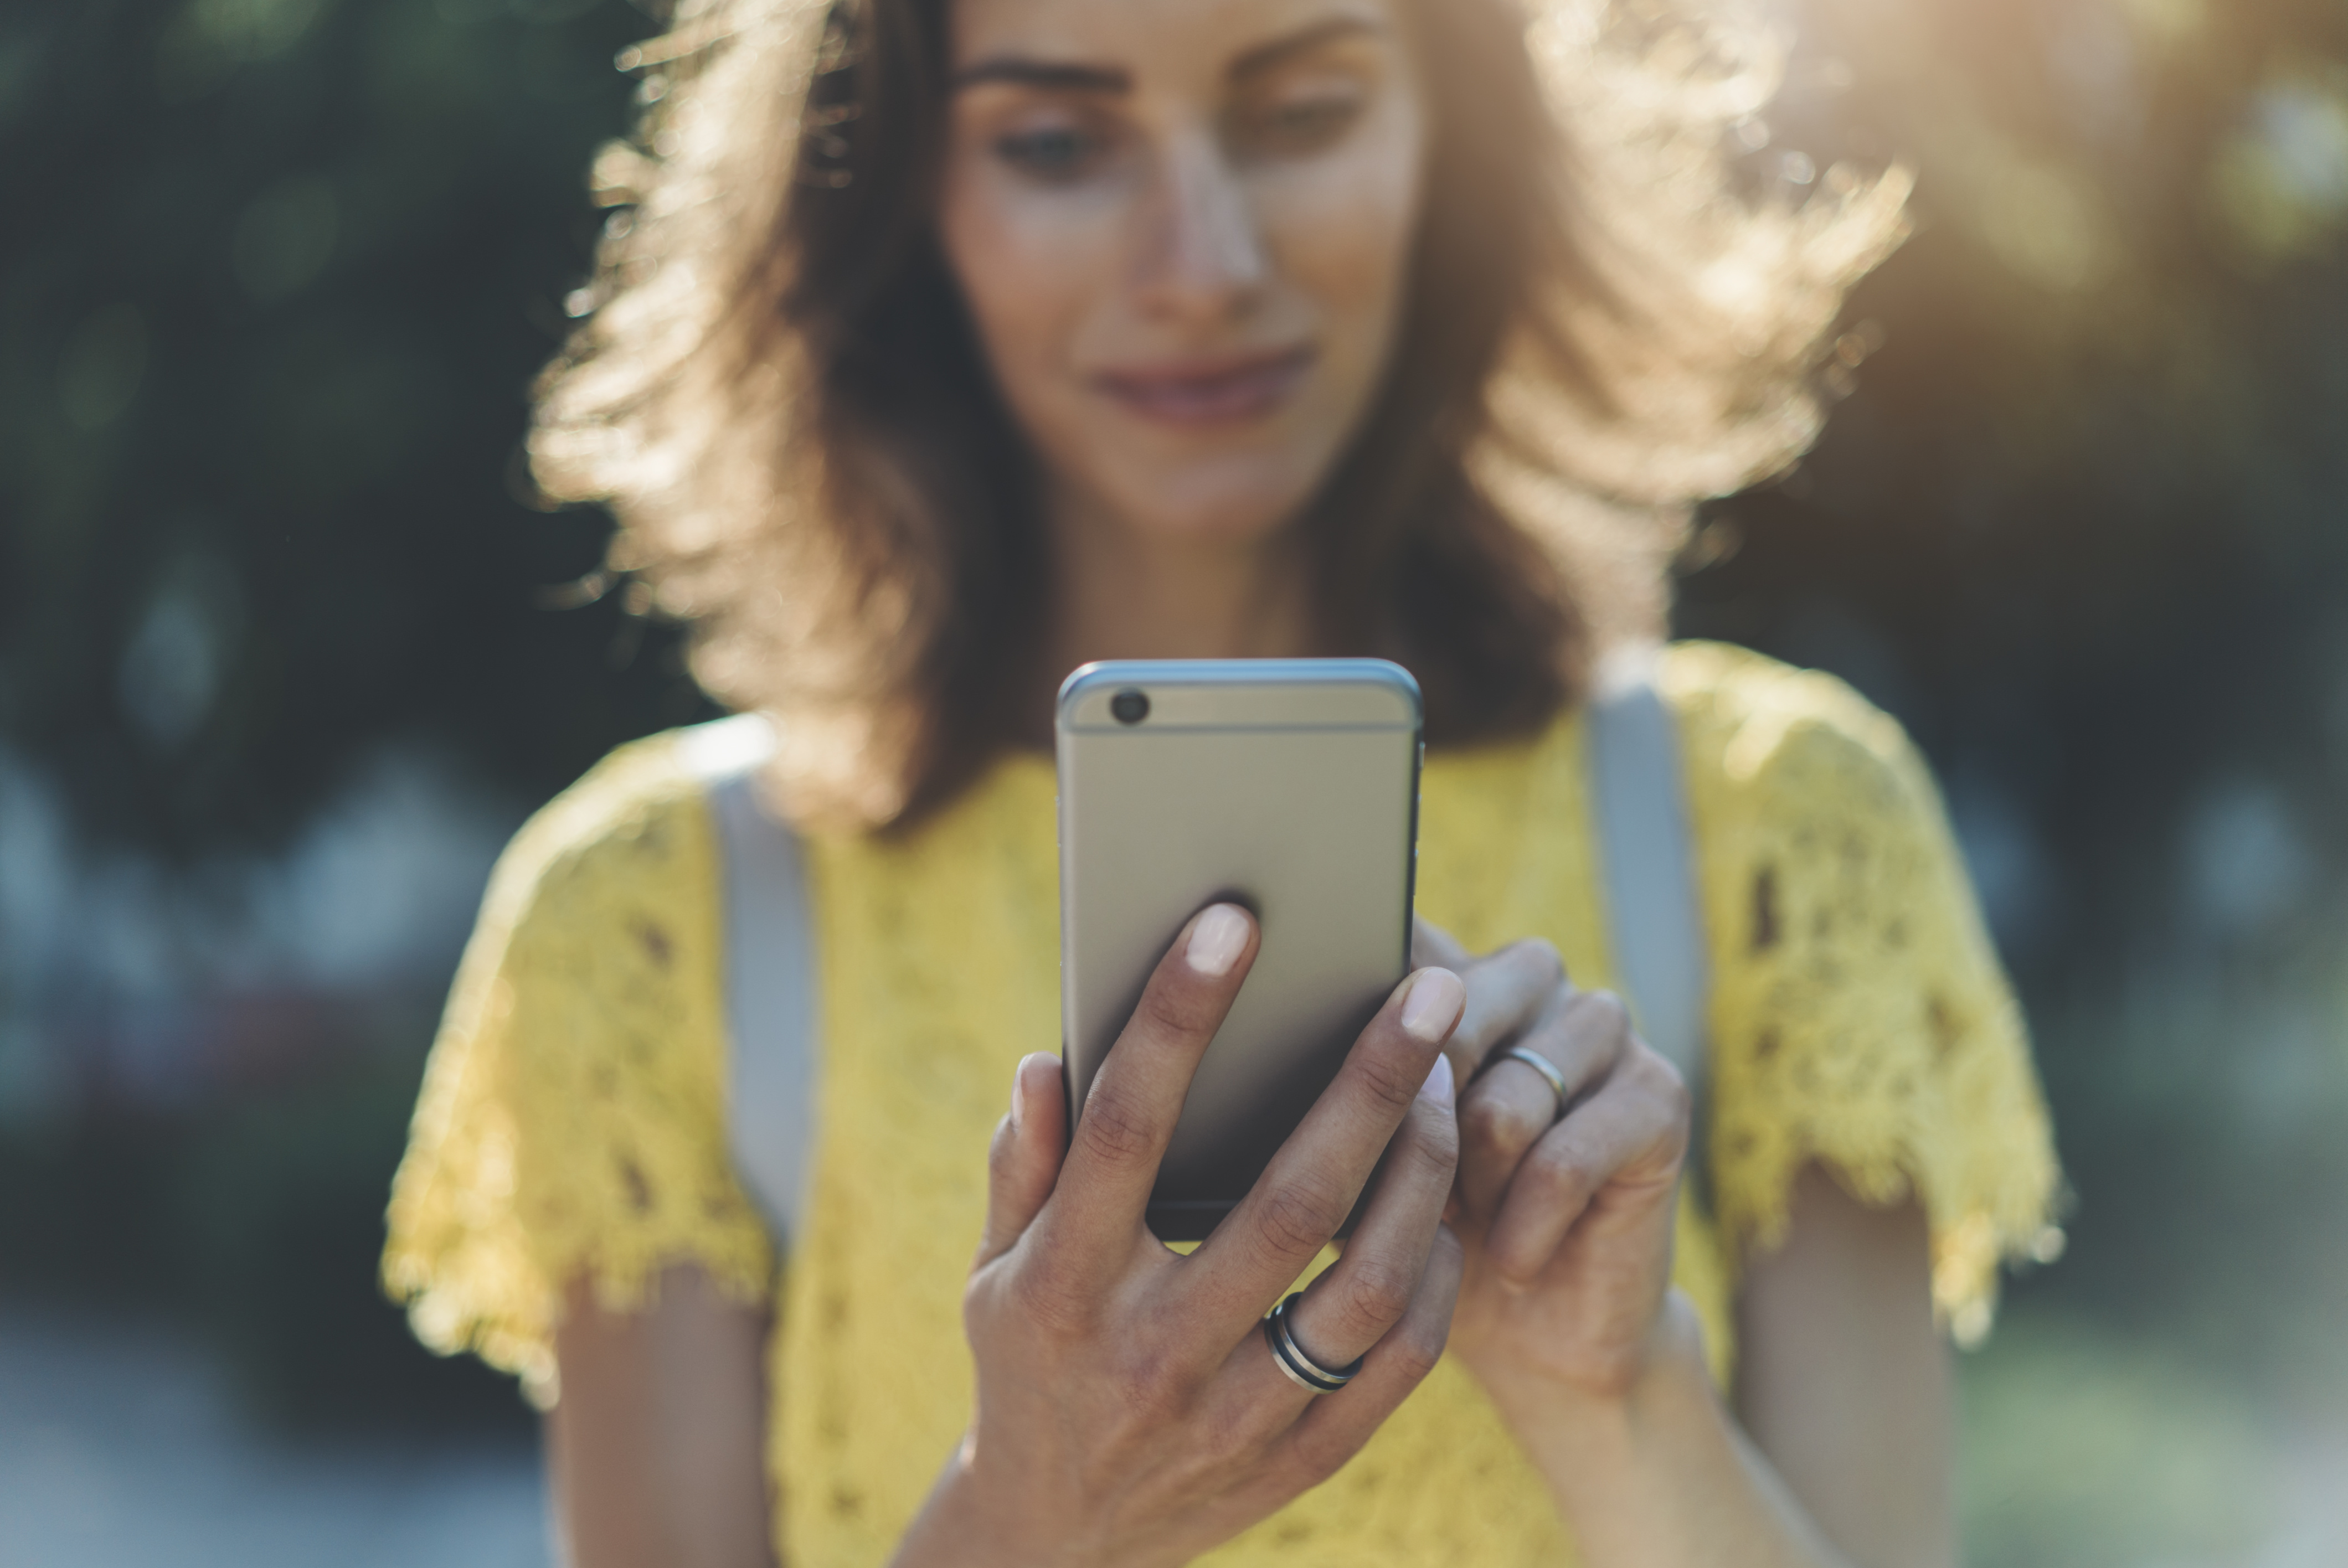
[
  {"x": 939, "y": 954},
  {"x": 1860, "y": 1017},
  {"x": 571, "y": 1121},
  {"x": 939, "y": 975}
]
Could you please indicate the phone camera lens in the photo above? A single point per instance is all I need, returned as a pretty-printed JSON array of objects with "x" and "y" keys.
[{"x": 1129, "y": 706}]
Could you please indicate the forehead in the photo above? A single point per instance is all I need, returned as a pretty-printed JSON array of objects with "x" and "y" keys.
[{"x": 1145, "y": 37}]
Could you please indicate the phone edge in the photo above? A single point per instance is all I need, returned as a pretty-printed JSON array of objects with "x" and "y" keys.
[{"x": 1383, "y": 672}]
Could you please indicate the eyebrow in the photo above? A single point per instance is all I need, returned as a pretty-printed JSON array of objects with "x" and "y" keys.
[
  {"x": 1303, "y": 41},
  {"x": 1063, "y": 76},
  {"x": 1049, "y": 74}
]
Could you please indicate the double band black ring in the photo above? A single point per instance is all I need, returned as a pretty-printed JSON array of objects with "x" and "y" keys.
[{"x": 1303, "y": 1370}]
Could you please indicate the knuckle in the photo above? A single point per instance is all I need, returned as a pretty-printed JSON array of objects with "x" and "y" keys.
[
  {"x": 1415, "y": 1348},
  {"x": 1678, "y": 1098},
  {"x": 979, "y": 1295},
  {"x": 1377, "y": 1292},
  {"x": 1436, "y": 1137},
  {"x": 1297, "y": 1219},
  {"x": 1676, "y": 1134},
  {"x": 1605, "y": 1014},
  {"x": 1176, "y": 1009},
  {"x": 1041, "y": 1296},
  {"x": 1386, "y": 1071},
  {"x": 1113, "y": 1129},
  {"x": 1541, "y": 954},
  {"x": 1493, "y": 1123},
  {"x": 1655, "y": 1074},
  {"x": 1560, "y": 1170},
  {"x": 1228, "y": 1436},
  {"x": 1319, "y": 1455}
]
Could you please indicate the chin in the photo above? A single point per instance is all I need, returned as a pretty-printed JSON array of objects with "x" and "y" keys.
[
  {"x": 1234, "y": 504},
  {"x": 1236, "y": 521}
]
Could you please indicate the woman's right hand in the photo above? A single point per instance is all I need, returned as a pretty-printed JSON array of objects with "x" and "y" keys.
[{"x": 1128, "y": 1409}]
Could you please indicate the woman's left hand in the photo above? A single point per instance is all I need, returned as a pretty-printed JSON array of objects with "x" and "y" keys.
[{"x": 1565, "y": 1205}]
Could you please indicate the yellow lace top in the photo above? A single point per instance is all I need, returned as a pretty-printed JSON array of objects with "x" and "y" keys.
[{"x": 572, "y": 1118}]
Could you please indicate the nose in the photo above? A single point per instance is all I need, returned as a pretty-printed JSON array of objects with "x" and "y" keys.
[{"x": 1202, "y": 255}]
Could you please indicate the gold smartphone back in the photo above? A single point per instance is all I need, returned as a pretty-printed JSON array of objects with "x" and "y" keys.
[{"x": 1288, "y": 785}]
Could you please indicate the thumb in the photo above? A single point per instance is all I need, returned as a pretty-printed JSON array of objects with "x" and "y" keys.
[{"x": 1024, "y": 1162}]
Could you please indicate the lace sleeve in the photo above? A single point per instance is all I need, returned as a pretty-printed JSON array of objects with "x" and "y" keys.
[
  {"x": 571, "y": 1119},
  {"x": 1859, "y": 1016}
]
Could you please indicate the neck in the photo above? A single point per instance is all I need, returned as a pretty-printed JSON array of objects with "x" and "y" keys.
[{"x": 1125, "y": 594}]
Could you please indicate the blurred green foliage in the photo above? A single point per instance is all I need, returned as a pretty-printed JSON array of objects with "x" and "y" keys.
[
  {"x": 278, "y": 278},
  {"x": 2082, "y": 523},
  {"x": 280, "y": 275},
  {"x": 2079, "y": 524}
]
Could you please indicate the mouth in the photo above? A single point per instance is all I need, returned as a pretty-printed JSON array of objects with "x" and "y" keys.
[{"x": 1230, "y": 390}]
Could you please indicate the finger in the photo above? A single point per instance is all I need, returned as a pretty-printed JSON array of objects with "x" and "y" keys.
[
  {"x": 1630, "y": 1136},
  {"x": 1511, "y": 1105},
  {"x": 1432, "y": 946},
  {"x": 1304, "y": 1194},
  {"x": 1024, "y": 1161},
  {"x": 1128, "y": 1115},
  {"x": 1334, "y": 1427},
  {"x": 1353, "y": 1305},
  {"x": 1506, "y": 993}
]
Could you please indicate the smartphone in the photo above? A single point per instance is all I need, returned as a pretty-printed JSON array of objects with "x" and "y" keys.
[{"x": 1289, "y": 786}]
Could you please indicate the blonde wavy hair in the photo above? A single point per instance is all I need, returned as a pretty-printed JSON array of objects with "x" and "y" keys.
[{"x": 776, "y": 393}]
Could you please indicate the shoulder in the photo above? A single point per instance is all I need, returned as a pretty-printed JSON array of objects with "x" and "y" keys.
[
  {"x": 1763, "y": 731},
  {"x": 640, "y": 815},
  {"x": 571, "y": 1119},
  {"x": 1762, "y": 712},
  {"x": 1859, "y": 1014}
]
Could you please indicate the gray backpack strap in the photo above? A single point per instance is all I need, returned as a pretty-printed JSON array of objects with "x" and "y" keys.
[
  {"x": 1646, "y": 856},
  {"x": 770, "y": 977}
]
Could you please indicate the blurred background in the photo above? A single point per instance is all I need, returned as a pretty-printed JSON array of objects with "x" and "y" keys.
[{"x": 287, "y": 652}]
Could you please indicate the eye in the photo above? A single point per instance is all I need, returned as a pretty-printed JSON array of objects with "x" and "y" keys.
[
  {"x": 1053, "y": 153},
  {"x": 1300, "y": 124}
]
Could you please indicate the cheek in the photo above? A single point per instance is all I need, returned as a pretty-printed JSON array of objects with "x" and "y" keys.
[
  {"x": 1342, "y": 231},
  {"x": 1028, "y": 270}
]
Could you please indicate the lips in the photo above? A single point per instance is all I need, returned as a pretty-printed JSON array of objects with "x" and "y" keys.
[{"x": 1231, "y": 390}]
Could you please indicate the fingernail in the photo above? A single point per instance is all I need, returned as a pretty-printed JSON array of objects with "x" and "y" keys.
[
  {"x": 1216, "y": 941},
  {"x": 1436, "y": 1089},
  {"x": 1018, "y": 1095},
  {"x": 1433, "y": 1004}
]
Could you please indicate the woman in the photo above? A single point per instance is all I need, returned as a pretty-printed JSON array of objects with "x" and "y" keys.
[{"x": 941, "y": 345}]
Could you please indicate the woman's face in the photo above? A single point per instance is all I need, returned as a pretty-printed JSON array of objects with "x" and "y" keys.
[{"x": 1182, "y": 227}]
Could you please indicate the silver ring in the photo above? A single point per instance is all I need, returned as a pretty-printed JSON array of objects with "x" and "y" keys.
[
  {"x": 1546, "y": 1068},
  {"x": 1303, "y": 1370}
]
